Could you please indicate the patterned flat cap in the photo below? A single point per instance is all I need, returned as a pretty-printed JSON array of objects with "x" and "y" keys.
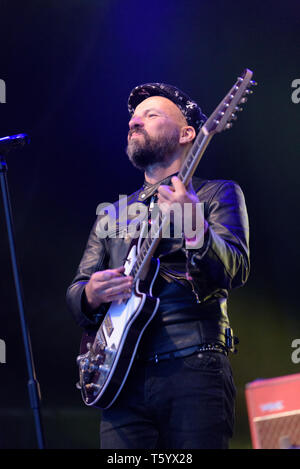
[{"x": 189, "y": 108}]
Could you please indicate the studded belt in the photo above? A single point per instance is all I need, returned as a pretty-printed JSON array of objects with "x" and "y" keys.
[{"x": 185, "y": 352}]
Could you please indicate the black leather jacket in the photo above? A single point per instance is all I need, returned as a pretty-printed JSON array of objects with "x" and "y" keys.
[{"x": 191, "y": 312}]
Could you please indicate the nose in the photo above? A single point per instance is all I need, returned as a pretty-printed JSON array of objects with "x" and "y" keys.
[{"x": 135, "y": 122}]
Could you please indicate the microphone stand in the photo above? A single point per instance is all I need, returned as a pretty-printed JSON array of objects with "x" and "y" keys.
[{"x": 33, "y": 385}]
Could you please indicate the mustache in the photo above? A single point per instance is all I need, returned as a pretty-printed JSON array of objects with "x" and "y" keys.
[{"x": 138, "y": 131}]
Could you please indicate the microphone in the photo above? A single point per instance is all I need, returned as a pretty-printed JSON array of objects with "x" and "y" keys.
[{"x": 10, "y": 143}]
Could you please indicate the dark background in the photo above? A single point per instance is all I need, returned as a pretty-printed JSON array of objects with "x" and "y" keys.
[{"x": 69, "y": 66}]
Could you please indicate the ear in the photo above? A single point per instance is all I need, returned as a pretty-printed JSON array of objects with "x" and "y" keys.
[{"x": 187, "y": 134}]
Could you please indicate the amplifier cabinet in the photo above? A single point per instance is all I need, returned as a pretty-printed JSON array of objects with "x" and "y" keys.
[{"x": 274, "y": 412}]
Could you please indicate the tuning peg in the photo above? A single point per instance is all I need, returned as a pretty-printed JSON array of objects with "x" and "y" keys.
[
  {"x": 239, "y": 79},
  {"x": 253, "y": 83},
  {"x": 243, "y": 100},
  {"x": 238, "y": 109},
  {"x": 228, "y": 126},
  {"x": 233, "y": 116},
  {"x": 248, "y": 92}
]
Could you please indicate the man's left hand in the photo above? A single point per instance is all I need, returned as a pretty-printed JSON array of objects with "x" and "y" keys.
[{"x": 168, "y": 195}]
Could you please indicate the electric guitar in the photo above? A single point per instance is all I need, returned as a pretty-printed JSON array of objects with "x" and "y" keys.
[{"x": 106, "y": 355}]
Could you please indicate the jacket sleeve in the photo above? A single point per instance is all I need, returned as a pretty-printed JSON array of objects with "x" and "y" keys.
[
  {"x": 223, "y": 259},
  {"x": 95, "y": 258}
]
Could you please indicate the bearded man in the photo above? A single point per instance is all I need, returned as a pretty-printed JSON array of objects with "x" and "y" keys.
[{"x": 179, "y": 393}]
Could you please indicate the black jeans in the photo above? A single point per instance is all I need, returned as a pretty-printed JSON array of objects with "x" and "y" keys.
[{"x": 181, "y": 403}]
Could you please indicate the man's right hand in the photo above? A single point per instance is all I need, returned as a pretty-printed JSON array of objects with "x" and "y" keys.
[{"x": 108, "y": 285}]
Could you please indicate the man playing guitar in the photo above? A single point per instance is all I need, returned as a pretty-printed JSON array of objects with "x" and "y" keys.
[{"x": 179, "y": 391}]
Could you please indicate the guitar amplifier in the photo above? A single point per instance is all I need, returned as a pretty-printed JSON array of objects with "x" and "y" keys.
[{"x": 274, "y": 412}]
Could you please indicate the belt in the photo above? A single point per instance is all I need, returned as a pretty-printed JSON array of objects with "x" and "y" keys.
[{"x": 157, "y": 357}]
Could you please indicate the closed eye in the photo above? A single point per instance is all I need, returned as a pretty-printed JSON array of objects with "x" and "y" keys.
[{"x": 152, "y": 113}]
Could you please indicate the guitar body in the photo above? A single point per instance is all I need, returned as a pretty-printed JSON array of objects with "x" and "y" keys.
[{"x": 106, "y": 356}]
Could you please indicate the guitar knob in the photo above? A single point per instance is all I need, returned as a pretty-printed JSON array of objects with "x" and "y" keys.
[
  {"x": 92, "y": 387},
  {"x": 79, "y": 358},
  {"x": 103, "y": 369},
  {"x": 93, "y": 367},
  {"x": 83, "y": 363},
  {"x": 110, "y": 351},
  {"x": 109, "y": 356}
]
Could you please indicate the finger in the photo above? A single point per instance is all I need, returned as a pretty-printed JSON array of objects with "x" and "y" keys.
[
  {"x": 178, "y": 185},
  {"x": 112, "y": 290},
  {"x": 124, "y": 294},
  {"x": 163, "y": 200},
  {"x": 122, "y": 282},
  {"x": 117, "y": 272},
  {"x": 104, "y": 275},
  {"x": 119, "y": 269},
  {"x": 166, "y": 191},
  {"x": 122, "y": 300},
  {"x": 108, "y": 274},
  {"x": 119, "y": 296},
  {"x": 120, "y": 279}
]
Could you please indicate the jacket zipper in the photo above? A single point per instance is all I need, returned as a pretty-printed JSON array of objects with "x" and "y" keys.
[{"x": 179, "y": 277}]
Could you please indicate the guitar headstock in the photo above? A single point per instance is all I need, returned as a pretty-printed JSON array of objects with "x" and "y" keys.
[{"x": 225, "y": 112}]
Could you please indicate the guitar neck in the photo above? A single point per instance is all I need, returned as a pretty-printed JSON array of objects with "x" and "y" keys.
[{"x": 194, "y": 156}]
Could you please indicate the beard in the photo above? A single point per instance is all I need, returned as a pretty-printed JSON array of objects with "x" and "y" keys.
[{"x": 148, "y": 151}]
